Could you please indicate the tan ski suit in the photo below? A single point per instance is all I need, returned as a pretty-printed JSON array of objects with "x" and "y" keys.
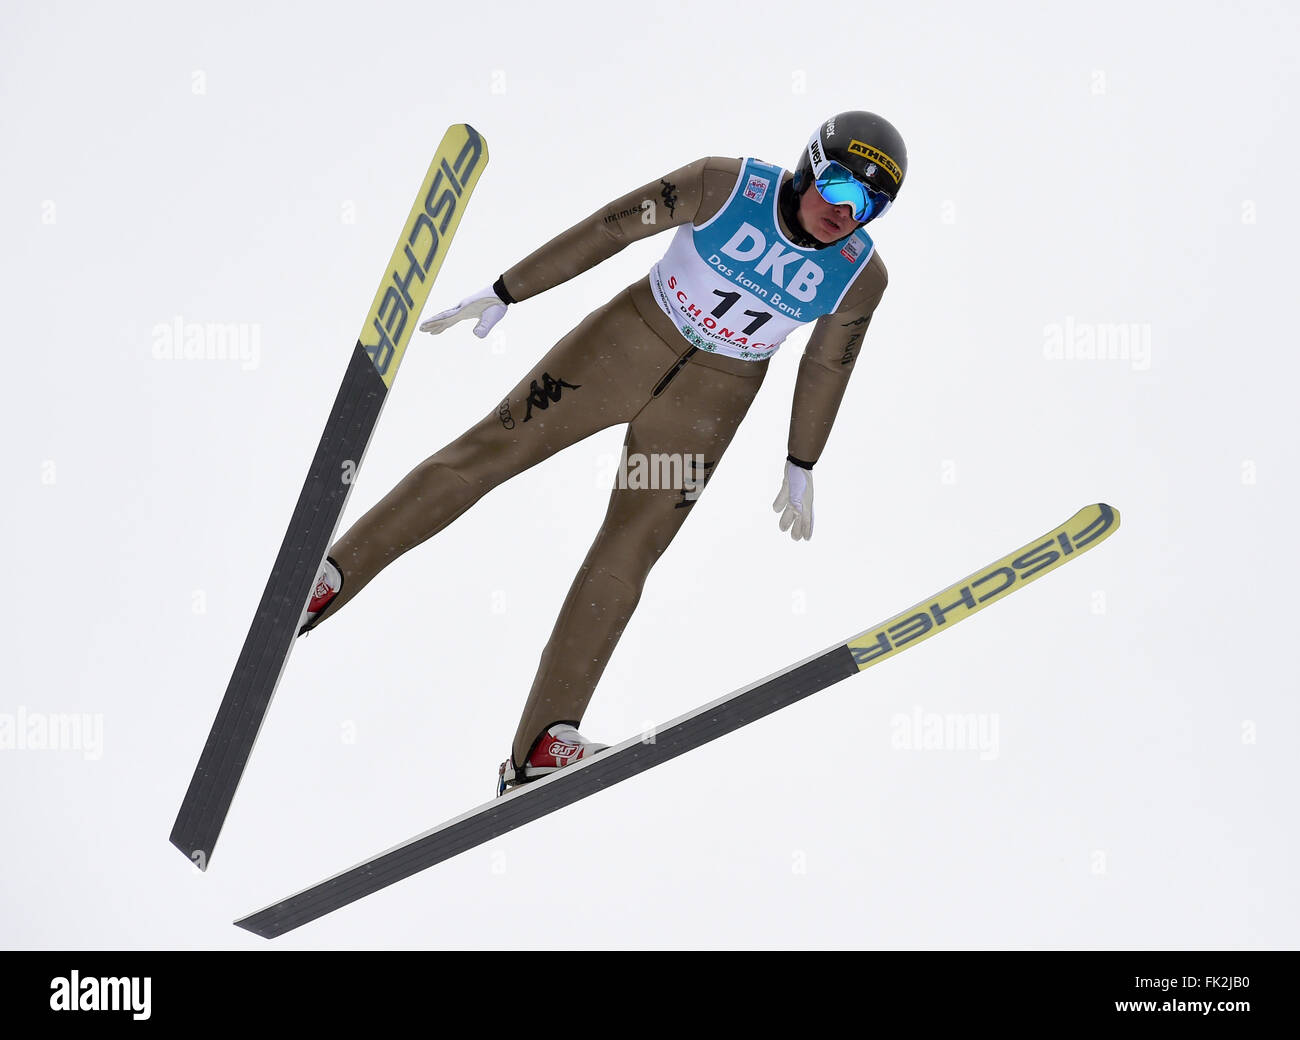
[{"x": 624, "y": 363}]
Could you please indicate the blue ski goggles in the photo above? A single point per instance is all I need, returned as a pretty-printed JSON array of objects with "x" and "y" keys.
[{"x": 837, "y": 185}]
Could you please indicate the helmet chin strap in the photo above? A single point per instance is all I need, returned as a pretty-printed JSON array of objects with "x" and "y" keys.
[{"x": 788, "y": 202}]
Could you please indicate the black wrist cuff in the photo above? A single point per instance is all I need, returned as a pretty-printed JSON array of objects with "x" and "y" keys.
[
  {"x": 799, "y": 462},
  {"x": 499, "y": 287}
]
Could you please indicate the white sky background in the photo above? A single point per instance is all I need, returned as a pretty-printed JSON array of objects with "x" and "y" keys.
[{"x": 1114, "y": 164}]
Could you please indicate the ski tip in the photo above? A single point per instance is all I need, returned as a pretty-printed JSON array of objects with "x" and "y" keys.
[
  {"x": 1090, "y": 526},
  {"x": 1106, "y": 513},
  {"x": 466, "y": 131}
]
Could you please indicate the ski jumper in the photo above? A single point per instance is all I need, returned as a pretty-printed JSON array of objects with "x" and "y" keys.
[{"x": 678, "y": 356}]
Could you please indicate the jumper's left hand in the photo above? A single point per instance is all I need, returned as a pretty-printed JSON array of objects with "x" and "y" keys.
[{"x": 795, "y": 502}]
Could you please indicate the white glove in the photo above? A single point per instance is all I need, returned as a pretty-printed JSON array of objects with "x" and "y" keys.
[
  {"x": 484, "y": 305},
  {"x": 796, "y": 499}
]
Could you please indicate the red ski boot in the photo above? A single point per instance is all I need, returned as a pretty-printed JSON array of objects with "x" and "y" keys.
[
  {"x": 327, "y": 587},
  {"x": 561, "y": 745}
]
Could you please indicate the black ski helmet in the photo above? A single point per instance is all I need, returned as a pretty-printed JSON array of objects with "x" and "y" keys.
[{"x": 867, "y": 144}]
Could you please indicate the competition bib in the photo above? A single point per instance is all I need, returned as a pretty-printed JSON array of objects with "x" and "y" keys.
[{"x": 736, "y": 285}]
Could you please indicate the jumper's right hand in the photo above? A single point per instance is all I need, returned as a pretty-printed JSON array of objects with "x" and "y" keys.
[{"x": 485, "y": 305}]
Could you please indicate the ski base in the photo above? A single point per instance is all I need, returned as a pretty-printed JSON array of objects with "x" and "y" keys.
[
  {"x": 279, "y": 613},
  {"x": 415, "y": 262},
  {"x": 1086, "y": 529}
]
